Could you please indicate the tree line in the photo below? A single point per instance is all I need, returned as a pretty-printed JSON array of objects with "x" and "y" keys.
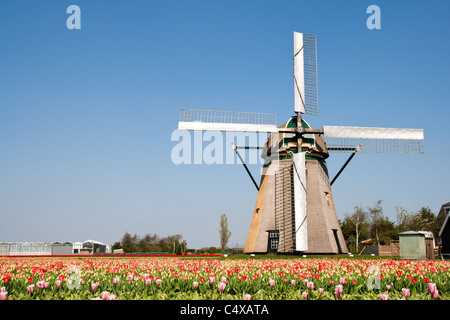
[
  {"x": 371, "y": 223},
  {"x": 171, "y": 244},
  {"x": 152, "y": 243}
]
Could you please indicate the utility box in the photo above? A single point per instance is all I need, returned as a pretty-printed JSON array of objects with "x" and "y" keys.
[{"x": 416, "y": 245}]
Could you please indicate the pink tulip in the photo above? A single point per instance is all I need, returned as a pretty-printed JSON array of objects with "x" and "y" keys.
[
  {"x": 293, "y": 282},
  {"x": 338, "y": 290},
  {"x": 30, "y": 288},
  {"x": 320, "y": 290},
  {"x": 2, "y": 289},
  {"x": 93, "y": 286},
  {"x": 158, "y": 281},
  {"x": 130, "y": 277},
  {"x": 112, "y": 297},
  {"x": 388, "y": 287},
  {"x": 342, "y": 281},
  {"x": 46, "y": 284},
  {"x": 222, "y": 286},
  {"x": 145, "y": 276},
  {"x": 116, "y": 280},
  {"x": 40, "y": 284},
  {"x": 105, "y": 295},
  {"x": 310, "y": 285},
  {"x": 195, "y": 284},
  {"x": 271, "y": 283},
  {"x": 435, "y": 294},
  {"x": 58, "y": 283},
  {"x": 304, "y": 295},
  {"x": 148, "y": 281},
  {"x": 431, "y": 288},
  {"x": 3, "y": 295},
  {"x": 384, "y": 296},
  {"x": 224, "y": 280},
  {"x": 247, "y": 297},
  {"x": 406, "y": 292},
  {"x": 211, "y": 280}
]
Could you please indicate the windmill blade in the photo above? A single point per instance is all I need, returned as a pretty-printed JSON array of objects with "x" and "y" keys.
[
  {"x": 373, "y": 140},
  {"x": 215, "y": 120},
  {"x": 301, "y": 234},
  {"x": 305, "y": 74}
]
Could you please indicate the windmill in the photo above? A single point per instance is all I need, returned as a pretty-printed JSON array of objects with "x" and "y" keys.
[{"x": 294, "y": 210}]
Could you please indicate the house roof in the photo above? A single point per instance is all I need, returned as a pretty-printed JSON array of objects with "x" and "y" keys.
[
  {"x": 93, "y": 241},
  {"x": 410, "y": 232}
]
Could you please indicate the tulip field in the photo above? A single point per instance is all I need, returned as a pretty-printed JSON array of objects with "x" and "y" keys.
[{"x": 182, "y": 278}]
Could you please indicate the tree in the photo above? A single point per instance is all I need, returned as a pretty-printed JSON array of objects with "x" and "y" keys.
[
  {"x": 116, "y": 245},
  {"x": 376, "y": 213},
  {"x": 354, "y": 227},
  {"x": 381, "y": 228},
  {"x": 153, "y": 243},
  {"x": 423, "y": 220},
  {"x": 128, "y": 243},
  {"x": 428, "y": 219},
  {"x": 224, "y": 233}
]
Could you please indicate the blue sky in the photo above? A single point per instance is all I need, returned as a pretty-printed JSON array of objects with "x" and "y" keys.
[{"x": 86, "y": 116}]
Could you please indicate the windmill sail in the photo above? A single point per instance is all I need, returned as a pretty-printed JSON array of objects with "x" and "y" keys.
[
  {"x": 373, "y": 140},
  {"x": 305, "y": 74},
  {"x": 215, "y": 120},
  {"x": 301, "y": 234}
]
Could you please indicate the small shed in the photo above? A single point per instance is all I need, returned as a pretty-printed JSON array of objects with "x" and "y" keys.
[{"x": 416, "y": 245}]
